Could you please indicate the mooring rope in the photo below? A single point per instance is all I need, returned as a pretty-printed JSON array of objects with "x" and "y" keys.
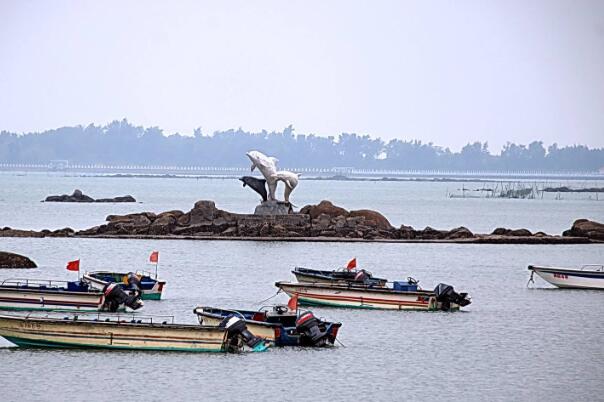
[
  {"x": 265, "y": 300},
  {"x": 531, "y": 280}
]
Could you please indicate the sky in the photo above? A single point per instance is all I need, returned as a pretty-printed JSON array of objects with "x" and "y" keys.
[{"x": 446, "y": 72}]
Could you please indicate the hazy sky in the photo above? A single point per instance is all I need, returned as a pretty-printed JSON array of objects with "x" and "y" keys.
[{"x": 448, "y": 72}]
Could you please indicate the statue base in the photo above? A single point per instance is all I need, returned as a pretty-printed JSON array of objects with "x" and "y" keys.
[{"x": 274, "y": 208}]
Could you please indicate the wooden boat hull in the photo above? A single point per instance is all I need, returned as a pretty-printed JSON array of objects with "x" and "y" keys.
[
  {"x": 261, "y": 330},
  {"x": 14, "y": 298},
  {"x": 362, "y": 297},
  {"x": 151, "y": 288},
  {"x": 44, "y": 332},
  {"x": 570, "y": 278}
]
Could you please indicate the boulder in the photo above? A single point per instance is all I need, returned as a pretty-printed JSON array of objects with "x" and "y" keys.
[
  {"x": 163, "y": 225},
  {"x": 460, "y": 233},
  {"x": 501, "y": 231},
  {"x": 586, "y": 228},
  {"x": 203, "y": 211},
  {"x": 372, "y": 218},
  {"x": 65, "y": 232},
  {"x": 12, "y": 260},
  {"x": 324, "y": 207},
  {"x": 125, "y": 198},
  {"x": 520, "y": 232},
  {"x": 406, "y": 232},
  {"x": 76, "y": 196},
  {"x": 431, "y": 234}
]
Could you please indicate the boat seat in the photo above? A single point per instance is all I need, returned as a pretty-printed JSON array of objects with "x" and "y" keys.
[{"x": 259, "y": 316}]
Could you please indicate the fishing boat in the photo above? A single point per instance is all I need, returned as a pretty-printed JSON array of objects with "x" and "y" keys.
[
  {"x": 135, "y": 333},
  {"x": 340, "y": 275},
  {"x": 38, "y": 294},
  {"x": 280, "y": 325},
  {"x": 590, "y": 276},
  {"x": 150, "y": 286},
  {"x": 402, "y": 296}
]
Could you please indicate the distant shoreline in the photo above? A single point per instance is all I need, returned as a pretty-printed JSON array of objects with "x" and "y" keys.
[{"x": 411, "y": 177}]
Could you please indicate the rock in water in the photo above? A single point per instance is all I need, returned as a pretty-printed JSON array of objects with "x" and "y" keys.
[
  {"x": 324, "y": 207},
  {"x": 12, "y": 260},
  {"x": 78, "y": 196},
  {"x": 586, "y": 228}
]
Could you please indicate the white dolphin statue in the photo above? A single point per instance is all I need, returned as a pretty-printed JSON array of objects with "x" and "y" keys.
[{"x": 268, "y": 167}]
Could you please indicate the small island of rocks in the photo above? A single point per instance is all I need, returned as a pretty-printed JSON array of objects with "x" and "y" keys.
[
  {"x": 78, "y": 196},
  {"x": 321, "y": 222}
]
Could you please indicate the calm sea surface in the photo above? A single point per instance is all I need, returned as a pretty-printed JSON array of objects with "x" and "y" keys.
[{"x": 512, "y": 343}]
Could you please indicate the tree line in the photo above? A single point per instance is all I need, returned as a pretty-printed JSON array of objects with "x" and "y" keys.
[{"x": 121, "y": 142}]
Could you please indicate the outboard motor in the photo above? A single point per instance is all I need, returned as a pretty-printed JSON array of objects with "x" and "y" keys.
[
  {"x": 134, "y": 283},
  {"x": 446, "y": 295},
  {"x": 237, "y": 329},
  {"x": 115, "y": 297},
  {"x": 307, "y": 326}
]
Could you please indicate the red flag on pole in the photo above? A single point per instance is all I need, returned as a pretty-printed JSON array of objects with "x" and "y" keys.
[
  {"x": 352, "y": 264},
  {"x": 154, "y": 257},
  {"x": 73, "y": 265},
  {"x": 292, "y": 304}
]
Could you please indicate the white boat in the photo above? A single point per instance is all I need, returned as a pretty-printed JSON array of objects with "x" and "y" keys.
[
  {"x": 403, "y": 296},
  {"x": 590, "y": 276}
]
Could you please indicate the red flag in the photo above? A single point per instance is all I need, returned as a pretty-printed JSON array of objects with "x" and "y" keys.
[
  {"x": 73, "y": 265},
  {"x": 292, "y": 304},
  {"x": 352, "y": 264},
  {"x": 154, "y": 257}
]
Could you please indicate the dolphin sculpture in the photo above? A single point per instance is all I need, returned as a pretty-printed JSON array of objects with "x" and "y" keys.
[
  {"x": 268, "y": 167},
  {"x": 258, "y": 185},
  {"x": 290, "y": 179}
]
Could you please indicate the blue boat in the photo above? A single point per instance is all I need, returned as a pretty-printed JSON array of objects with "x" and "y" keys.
[
  {"x": 278, "y": 324},
  {"x": 148, "y": 284}
]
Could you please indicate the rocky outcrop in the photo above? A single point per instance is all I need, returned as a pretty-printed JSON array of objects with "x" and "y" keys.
[
  {"x": 586, "y": 228},
  {"x": 78, "y": 196},
  {"x": 12, "y": 260},
  {"x": 314, "y": 222}
]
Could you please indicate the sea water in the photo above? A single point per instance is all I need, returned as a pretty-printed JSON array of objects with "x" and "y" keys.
[{"x": 511, "y": 343}]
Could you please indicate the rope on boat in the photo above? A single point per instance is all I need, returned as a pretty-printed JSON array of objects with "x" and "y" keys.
[
  {"x": 340, "y": 342},
  {"x": 531, "y": 280},
  {"x": 265, "y": 300}
]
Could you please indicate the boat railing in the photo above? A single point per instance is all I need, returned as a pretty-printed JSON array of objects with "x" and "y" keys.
[
  {"x": 593, "y": 267},
  {"x": 33, "y": 282},
  {"x": 146, "y": 273},
  {"x": 120, "y": 318}
]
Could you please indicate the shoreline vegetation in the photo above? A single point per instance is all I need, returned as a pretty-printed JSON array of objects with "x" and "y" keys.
[
  {"x": 123, "y": 143},
  {"x": 323, "y": 222}
]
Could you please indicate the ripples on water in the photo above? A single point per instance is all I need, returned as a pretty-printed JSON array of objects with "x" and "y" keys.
[
  {"x": 511, "y": 343},
  {"x": 418, "y": 204}
]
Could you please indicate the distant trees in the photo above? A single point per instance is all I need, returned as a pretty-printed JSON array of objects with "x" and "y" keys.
[{"x": 120, "y": 142}]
